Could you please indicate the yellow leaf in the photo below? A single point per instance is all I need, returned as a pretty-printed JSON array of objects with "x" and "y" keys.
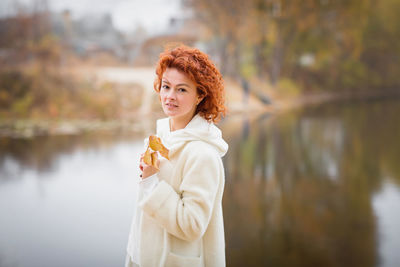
[
  {"x": 156, "y": 145},
  {"x": 147, "y": 157},
  {"x": 154, "y": 158}
]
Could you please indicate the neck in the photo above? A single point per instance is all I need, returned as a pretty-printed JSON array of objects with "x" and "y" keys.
[{"x": 177, "y": 124}]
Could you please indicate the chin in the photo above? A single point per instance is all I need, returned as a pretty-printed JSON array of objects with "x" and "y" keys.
[{"x": 169, "y": 113}]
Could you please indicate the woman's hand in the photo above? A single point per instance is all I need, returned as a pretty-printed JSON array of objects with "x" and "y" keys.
[{"x": 147, "y": 170}]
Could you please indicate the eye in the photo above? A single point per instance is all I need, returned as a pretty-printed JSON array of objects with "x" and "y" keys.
[
  {"x": 182, "y": 90},
  {"x": 165, "y": 87}
]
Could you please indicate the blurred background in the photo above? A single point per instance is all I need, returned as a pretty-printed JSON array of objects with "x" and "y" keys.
[{"x": 313, "y": 91}]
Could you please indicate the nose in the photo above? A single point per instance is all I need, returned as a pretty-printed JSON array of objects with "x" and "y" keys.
[{"x": 171, "y": 94}]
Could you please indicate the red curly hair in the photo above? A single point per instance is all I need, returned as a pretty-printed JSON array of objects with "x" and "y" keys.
[{"x": 199, "y": 68}]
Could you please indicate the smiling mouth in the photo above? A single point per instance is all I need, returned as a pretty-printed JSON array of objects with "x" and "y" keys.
[{"x": 171, "y": 105}]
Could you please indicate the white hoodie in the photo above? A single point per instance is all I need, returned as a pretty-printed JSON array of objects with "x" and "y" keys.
[
  {"x": 180, "y": 223},
  {"x": 198, "y": 129}
]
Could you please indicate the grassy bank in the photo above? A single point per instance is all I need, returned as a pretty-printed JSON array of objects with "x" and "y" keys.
[{"x": 73, "y": 101}]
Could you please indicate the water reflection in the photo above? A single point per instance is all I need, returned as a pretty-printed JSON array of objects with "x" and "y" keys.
[
  {"x": 387, "y": 204},
  {"x": 299, "y": 186},
  {"x": 67, "y": 201},
  {"x": 43, "y": 153},
  {"x": 316, "y": 187}
]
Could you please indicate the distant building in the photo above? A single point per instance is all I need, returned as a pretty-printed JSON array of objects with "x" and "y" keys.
[
  {"x": 179, "y": 30},
  {"x": 94, "y": 35},
  {"x": 89, "y": 35}
]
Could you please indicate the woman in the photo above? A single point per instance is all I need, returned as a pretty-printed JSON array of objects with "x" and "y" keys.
[{"x": 179, "y": 217}]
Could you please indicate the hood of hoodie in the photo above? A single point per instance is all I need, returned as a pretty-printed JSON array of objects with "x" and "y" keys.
[{"x": 197, "y": 129}]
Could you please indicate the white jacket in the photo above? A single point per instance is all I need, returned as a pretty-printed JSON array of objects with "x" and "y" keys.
[{"x": 182, "y": 222}]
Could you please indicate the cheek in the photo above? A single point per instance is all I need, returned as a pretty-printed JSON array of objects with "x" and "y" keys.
[
  {"x": 161, "y": 97},
  {"x": 190, "y": 103}
]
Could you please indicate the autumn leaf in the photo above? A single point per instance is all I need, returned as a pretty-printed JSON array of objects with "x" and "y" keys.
[
  {"x": 156, "y": 144},
  {"x": 154, "y": 158},
  {"x": 147, "y": 157},
  {"x": 150, "y": 158}
]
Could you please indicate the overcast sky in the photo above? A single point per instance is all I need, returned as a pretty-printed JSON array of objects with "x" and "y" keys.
[{"x": 126, "y": 14}]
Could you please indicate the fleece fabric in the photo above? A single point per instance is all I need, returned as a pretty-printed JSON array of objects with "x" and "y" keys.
[{"x": 181, "y": 222}]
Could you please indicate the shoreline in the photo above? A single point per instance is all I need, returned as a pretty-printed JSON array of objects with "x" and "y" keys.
[
  {"x": 30, "y": 128},
  {"x": 320, "y": 98}
]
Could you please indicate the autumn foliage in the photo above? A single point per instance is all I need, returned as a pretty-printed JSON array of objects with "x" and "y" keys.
[{"x": 155, "y": 146}]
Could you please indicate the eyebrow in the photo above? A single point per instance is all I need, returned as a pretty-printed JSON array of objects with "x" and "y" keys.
[{"x": 181, "y": 84}]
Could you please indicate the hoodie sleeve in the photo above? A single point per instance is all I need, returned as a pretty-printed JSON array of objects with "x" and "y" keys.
[
  {"x": 148, "y": 184},
  {"x": 187, "y": 214}
]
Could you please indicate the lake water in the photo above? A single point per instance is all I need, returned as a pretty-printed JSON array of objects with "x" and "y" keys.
[{"x": 314, "y": 187}]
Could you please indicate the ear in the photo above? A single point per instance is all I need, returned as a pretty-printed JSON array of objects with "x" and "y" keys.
[{"x": 199, "y": 99}]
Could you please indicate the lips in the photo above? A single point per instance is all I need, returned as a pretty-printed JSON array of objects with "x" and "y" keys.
[{"x": 170, "y": 105}]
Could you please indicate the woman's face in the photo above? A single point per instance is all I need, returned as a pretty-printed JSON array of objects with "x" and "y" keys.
[{"x": 178, "y": 94}]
